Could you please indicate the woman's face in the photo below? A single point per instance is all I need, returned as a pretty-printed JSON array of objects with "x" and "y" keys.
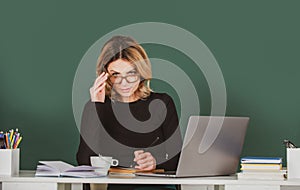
[{"x": 125, "y": 79}]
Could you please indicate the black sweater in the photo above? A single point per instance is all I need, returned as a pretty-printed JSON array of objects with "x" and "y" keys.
[{"x": 117, "y": 129}]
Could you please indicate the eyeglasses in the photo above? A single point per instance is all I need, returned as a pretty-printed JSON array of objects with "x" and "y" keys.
[{"x": 117, "y": 79}]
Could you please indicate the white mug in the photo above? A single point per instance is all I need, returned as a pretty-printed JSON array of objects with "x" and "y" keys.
[{"x": 103, "y": 162}]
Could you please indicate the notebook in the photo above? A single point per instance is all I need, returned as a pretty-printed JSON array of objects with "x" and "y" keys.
[{"x": 212, "y": 146}]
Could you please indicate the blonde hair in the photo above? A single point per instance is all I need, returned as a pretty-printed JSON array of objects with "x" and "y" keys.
[{"x": 126, "y": 48}]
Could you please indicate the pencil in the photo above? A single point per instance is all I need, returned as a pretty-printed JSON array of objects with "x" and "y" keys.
[
  {"x": 16, "y": 139},
  {"x": 11, "y": 134},
  {"x": 18, "y": 142},
  {"x": 6, "y": 141}
]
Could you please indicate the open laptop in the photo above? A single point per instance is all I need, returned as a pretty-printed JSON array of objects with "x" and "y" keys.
[{"x": 212, "y": 146}]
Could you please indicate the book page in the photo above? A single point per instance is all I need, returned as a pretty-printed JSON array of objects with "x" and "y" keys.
[
  {"x": 83, "y": 174},
  {"x": 82, "y": 168},
  {"x": 47, "y": 173},
  {"x": 58, "y": 165}
]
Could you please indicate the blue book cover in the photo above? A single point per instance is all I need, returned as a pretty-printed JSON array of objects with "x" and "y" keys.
[{"x": 261, "y": 160}]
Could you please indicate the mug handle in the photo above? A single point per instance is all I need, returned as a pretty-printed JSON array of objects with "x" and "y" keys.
[{"x": 114, "y": 162}]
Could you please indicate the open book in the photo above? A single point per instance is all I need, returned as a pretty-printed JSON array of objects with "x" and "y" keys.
[{"x": 60, "y": 169}]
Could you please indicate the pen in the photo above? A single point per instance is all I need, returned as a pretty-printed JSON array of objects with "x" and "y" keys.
[{"x": 157, "y": 138}]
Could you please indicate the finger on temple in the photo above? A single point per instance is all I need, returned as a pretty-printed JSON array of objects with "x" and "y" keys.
[
  {"x": 99, "y": 88},
  {"x": 100, "y": 79}
]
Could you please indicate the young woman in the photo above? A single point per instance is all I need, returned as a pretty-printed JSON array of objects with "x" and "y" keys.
[{"x": 125, "y": 119}]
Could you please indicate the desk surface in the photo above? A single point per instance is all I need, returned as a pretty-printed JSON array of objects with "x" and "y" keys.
[{"x": 28, "y": 176}]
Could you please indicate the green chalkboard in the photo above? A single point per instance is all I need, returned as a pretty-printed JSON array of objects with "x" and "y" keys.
[{"x": 255, "y": 45}]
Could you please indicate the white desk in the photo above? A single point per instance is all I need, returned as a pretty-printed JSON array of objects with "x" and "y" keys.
[{"x": 26, "y": 180}]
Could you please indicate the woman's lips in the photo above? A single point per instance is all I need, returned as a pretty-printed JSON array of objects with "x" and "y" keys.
[{"x": 125, "y": 90}]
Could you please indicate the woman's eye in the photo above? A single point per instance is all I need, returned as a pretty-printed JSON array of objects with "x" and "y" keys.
[
  {"x": 131, "y": 72},
  {"x": 115, "y": 74}
]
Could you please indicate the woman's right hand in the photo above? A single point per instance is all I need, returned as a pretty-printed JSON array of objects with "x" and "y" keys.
[{"x": 97, "y": 91}]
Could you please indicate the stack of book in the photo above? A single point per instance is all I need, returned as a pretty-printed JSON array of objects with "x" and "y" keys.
[{"x": 262, "y": 168}]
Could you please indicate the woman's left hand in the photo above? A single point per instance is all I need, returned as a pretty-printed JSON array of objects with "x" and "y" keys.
[{"x": 145, "y": 160}]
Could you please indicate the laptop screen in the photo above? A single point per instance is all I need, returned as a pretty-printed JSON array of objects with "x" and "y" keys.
[{"x": 212, "y": 146}]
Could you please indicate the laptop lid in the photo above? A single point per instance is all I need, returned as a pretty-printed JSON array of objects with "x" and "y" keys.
[{"x": 212, "y": 146}]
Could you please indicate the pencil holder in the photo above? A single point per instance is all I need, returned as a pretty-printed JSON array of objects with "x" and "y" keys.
[
  {"x": 293, "y": 162},
  {"x": 10, "y": 161}
]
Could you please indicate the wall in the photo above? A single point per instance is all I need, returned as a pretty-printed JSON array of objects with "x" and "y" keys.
[{"x": 256, "y": 44}]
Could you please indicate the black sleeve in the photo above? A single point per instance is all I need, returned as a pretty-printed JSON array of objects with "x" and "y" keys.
[
  {"x": 172, "y": 136},
  {"x": 84, "y": 151}
]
